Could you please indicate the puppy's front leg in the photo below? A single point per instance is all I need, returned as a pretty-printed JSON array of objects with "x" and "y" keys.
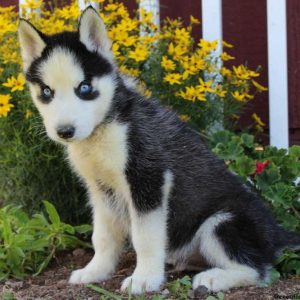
[
  {"x": 108, "y": 237},
  {"x": 149, "y": 240}
]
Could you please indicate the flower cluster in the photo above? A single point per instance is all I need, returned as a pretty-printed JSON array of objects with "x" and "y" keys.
[{"x": 190, "y": 76}]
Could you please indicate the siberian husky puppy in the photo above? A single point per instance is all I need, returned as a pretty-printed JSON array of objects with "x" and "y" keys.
[{"x": 148, "y": 175}]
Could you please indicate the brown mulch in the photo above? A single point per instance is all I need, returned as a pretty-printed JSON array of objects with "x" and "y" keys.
[{"x": 52, "y": 284}]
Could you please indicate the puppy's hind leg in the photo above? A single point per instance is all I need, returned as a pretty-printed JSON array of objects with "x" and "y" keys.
[
  {"x": 227, "y": 272},
  {"x": 108, "y": 237}
]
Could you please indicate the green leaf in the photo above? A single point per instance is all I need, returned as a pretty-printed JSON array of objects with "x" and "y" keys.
[
  {"x": 248, "y": 140},
  {"x": 211, "y": 298},
  {"x": 44, "y": 264},
  {"x": 244, "y": 166},
  {"x": 7, "y": 232},
  {"x": 186, "y": 280},
  {"x": 40, "y": 244},
  {"x": 220, "y": 137},
  {"x": 7, "y": 296},
  {"x": 220, "y": 295},
  {"x": 104, "y": 292},
  {"x": 52, "y": 213},
  {"x": 68, "y": 228},
  {"x": 280, "y": 194},
  {"x": 268, "y": 177},
  {"x": 85, "y": 228},
  {"x": 295, "y": 151}
]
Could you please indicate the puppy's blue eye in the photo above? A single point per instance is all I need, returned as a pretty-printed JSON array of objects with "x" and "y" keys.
[
  {"x": 47, "y": 92},
  {"x": 85, "y": 91},
  {"x": 85, "y": 88}
]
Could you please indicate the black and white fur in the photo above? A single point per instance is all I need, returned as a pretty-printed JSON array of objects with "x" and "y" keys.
[{"x": 148, "y": 175}]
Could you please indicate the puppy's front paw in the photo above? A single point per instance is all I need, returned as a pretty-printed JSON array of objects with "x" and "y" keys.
[
  {"x": 139, "y": 284},
  {"x": 87, "y": 275}
]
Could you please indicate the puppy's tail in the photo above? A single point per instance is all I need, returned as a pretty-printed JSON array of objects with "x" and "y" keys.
[{"x": 288, "y": 239}]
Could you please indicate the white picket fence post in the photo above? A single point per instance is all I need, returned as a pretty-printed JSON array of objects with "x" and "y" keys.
[
  {"x": 152, "y": 6},
  {"x": 278, "y": 77},
  {"x": 212, "y": 28}
]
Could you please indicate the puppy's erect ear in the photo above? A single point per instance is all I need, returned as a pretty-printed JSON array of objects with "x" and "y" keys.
[
  {"x": 92, "y": 32},
  {"x": 31, "y": 42}
]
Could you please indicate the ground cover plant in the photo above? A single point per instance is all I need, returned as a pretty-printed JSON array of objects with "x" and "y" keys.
[
  {"x": 187, "y": 76},
  {"x": 27, "y": 244}
]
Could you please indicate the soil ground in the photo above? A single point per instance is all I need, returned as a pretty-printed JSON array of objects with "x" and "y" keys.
[{"x": 52, "y": 284}]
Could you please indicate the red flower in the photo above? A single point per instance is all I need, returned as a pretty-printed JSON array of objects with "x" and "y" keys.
[{"x": 260, "y": 166}]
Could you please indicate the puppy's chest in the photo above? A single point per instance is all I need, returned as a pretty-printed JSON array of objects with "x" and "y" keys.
[{"x": 102, "y": 159}]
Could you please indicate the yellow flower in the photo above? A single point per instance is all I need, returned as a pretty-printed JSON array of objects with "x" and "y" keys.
[
  {"x": 225, "y": 56},
  {"x": 127, "y": 25},
  {"x": 6, "y": 26},
  {"x": 238, "y": 96},
  {"x": 184, "y": 117},
  {"x": 259, "y": 87},
  {"x": 173, "y": 78},
  {"x": 225, "y": 72},
  {"x": 15, "y": 84},
  {"x": 28, "y": 114},
  {"x": 146, "y": 17},
  {"x": 205, "y": 86},
  {"x": 194, "y": 20},
  {"x": 176, "y": 51},
  {"x": 167, "y": 64},
  {"x": 142, "y": 88},
  {"x": 242, "y": 72},
  {"x": 129, "y": 71},
  {"x": 192, "y": 65},
  {"x": 258, "y": 120},
  {"x": 182, "y": 35},
  {"x": 227, "y": 45},
  {"x": 124, "y": 39},
  {"x": 219, "y": 91},
  {"x": 192, "y": 93},
  {"x": 32, "y": 4},
  {"x": 139, "y": 54},
  {"x": 115, "y": 49},
  {"x": 207, "y": 46},
  {"x": 69, "y": 12},
  {"x": 111, "y": 7},
  {"x": 5, "y": 106}
]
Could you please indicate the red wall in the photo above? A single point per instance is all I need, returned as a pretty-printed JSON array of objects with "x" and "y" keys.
[
  {"x": 293, "y": 25},
  {"x": 9, "y": 2}
]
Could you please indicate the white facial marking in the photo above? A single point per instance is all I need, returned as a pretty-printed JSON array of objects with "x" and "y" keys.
[{"x": 62, "y": 73}]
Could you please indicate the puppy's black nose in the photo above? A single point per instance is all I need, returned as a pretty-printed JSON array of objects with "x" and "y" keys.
[{"x": 66, "y": 132}]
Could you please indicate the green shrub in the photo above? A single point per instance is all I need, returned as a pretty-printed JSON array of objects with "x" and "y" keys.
[
  {"x": 28, "y": 244},
  {"x": 274, "y": 173}
]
